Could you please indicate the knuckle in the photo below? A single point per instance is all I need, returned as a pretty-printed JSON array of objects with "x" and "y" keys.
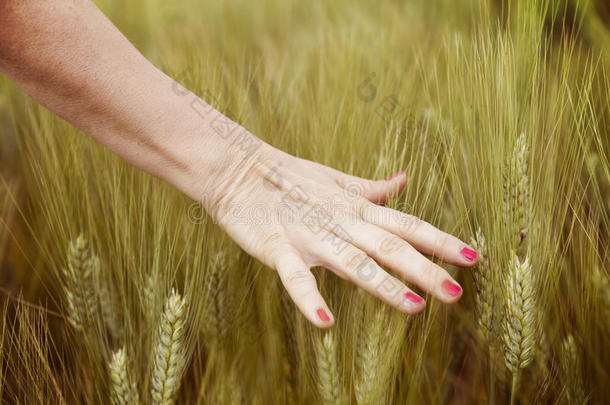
[
  {"x": 362, "y": 207},
  {"x": 272, "y": 240},
  {"x": 428, "y": 274},
  {"x": 354, "y": 260},
  {"x": 444, "y": 240},
  {"x": 409, "y": 224},
  {"x": 390, "y": 289},
  {"x": 390, "y": 244},
  {"x": 300, "y": 279},
  {"x": 441, "y": 244},
  {"x": 435, "y": 274},
  {"x": 354, "y": 190},
  {"x": 368, "y": 185}
]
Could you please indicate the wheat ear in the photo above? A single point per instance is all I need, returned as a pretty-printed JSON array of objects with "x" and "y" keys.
[
  {"x": 234, "y": 396},
  {"x": 217, "y": 325},
  {"x": 329, "y": 384},
  {"x": 486, "y": 310},
  {"x": 516, "y": 191},
  {"x": 484, "y": 299},
  {"x": 78, "y": 283},
  {"x": 572, "y": 370},
  {"x": 169, "y": 357},
  {"x": 521, "y": 318},
  {"x": 602, "y": 283},
  {"x": 110, "y": 312},
  {"x": 124, "y": 391},
  {"x": 368, "y": 390},
  {"x": 148, "y": 299}
]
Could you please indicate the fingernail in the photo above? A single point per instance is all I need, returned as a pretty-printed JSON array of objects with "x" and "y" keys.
[
  {"x": 413, "y": 297},
  {"x": 451, "y": 288},
  {"x": 323, "y": 315},
  {"x": 469, "y": 254}
]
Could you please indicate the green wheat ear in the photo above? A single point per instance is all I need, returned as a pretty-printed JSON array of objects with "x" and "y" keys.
[
  {"x": 124, "y": 390},
  {"x": 329, "y": 383},
  {"x": 368, "y": 388},
  {"x": 602, "y": 284},
  {"x": 521, "y": 318},
  {"x": 484, "y": 299},
  {"x": 217, "y": 299},
  {"x": 79, "y": 284},
  {"x": 516, "y": 192},
  {"x": 148, "y": 300},
  {"x": 571, "y": 366},
  {"x": 169, "y": 357},
  {"x": 110, "y": 312}
]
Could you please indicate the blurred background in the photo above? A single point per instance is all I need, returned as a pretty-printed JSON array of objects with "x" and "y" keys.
[{"x": 499, "y": 111}]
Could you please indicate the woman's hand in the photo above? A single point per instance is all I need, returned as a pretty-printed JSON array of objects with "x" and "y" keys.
[
  {"x": 293, "y": 214},
  {"x": 69, "y": 57}
]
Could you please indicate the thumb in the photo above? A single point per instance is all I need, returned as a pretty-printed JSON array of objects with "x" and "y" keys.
[{"x": 376, "y": 191}]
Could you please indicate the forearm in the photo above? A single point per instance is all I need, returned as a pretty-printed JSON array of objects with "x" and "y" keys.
[{"x": 71, "y": 58}]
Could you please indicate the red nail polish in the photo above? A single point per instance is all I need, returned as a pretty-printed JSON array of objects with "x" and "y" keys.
[
  {"x": 451, "y": 288},
  {"x": 323, "y": 315},
  {"x": 413, "y": 297},
  {"x": 469, "y": 254}
]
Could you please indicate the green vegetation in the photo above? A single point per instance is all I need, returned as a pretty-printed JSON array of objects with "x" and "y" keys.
[{"x": 116, "y": 287}]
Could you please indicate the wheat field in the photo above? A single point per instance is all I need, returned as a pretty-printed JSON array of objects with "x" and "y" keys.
[{"x": 115, "y": 288}]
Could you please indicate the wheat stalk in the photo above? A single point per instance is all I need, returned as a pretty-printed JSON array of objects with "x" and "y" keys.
[
  {"x": 110, "y": 312},
  {"x": 329, "y": 384},
  {"x": 78, "y": 284},
  {"x": 169, "y": 357},
  {"x": 124, "y": 391},
  {"x": 516, "y": 192}
]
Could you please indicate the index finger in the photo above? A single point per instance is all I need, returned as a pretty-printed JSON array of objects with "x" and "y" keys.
[{"x": 421, "y": 235}]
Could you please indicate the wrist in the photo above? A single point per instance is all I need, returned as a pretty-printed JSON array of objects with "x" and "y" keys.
[
  {"x": 206, "y": 150},
  {"x": 221, "y": 153}
]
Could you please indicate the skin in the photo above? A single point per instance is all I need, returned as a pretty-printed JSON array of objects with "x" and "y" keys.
[{"x": 69, "y": 57}]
